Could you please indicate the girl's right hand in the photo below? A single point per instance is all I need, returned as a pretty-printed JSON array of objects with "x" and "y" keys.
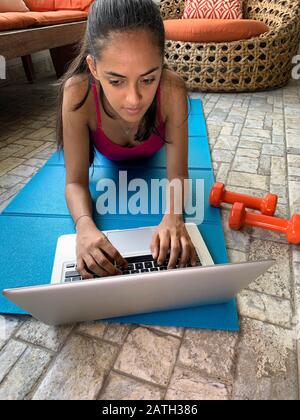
[{"x": 96, "y": 253}]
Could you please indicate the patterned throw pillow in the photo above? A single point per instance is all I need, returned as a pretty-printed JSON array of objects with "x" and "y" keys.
[{"x": 213, "y": 9}]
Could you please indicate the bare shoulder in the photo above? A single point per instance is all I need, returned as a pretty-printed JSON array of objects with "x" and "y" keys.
[
  {"x": 75, "y": 90},
  {"x": 173, "y": 90},
  {"x": 79, "y": 81},
  {"x": 171, "y": 81}
]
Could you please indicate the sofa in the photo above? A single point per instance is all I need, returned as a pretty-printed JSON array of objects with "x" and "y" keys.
[
  {"x": 57, "y": 25},
  {"x": 259, "y": 63}
]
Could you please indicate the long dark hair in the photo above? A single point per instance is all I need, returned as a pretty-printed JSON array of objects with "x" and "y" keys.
[{"x": 106, "y": 17}]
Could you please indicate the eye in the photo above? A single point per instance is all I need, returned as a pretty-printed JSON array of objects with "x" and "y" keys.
[
  {"x": 115, "y": 82},
  {"x": 119, "y": 82},
  {"x": 148, "y": 81}
]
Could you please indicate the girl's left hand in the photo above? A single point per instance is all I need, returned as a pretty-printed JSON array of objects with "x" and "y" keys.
[{"x": 172, "y": 231}]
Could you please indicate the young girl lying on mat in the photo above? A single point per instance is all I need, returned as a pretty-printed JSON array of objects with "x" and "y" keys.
[{"x": 117, "y": 97}]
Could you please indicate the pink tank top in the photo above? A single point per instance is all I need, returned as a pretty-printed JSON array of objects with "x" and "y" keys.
[{"x": 115, "y": 151}]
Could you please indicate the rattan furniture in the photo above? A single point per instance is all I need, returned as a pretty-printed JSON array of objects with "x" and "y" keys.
[{"x": 254, "y": 64}]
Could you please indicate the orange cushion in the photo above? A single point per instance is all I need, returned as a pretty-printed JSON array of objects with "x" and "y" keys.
[
  {"x": 72, "y": 4},
  {"x": 50, "y": 5},
  {"x": 213, "y": 30},
  {"x": 56, "y": 17},
  {"x": 40, "y": 5},
  {"x": 15, "y": 20},
  {"x": 20, "y": 20}
]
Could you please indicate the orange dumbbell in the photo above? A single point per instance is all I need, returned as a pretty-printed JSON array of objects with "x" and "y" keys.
[
  {"x": 266, "y": 205},
  {"x": 239, "y": 217}
]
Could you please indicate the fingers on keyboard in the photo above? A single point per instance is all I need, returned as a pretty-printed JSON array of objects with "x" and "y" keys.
[{"x": 140, "y": 264}]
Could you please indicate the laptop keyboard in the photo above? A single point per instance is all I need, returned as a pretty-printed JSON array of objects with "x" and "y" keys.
[{"x": 137, "y": 264}]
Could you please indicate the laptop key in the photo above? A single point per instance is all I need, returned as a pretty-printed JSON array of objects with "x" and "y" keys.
[
  {"x": 70, "y": 266},
  {"x": 148, "y": 264},
  {"x": 139, "y": 266},
  {"x": 144, "y": 270},
  {"x": 134, "y": 271},
  {"x": 76, "y": 278},
  {"x": 139, "y": 258},
  {"x": 154, "y": 269},
  {"x": 71, "y": 274}
]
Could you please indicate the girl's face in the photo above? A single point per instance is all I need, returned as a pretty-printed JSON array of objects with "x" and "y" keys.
[{"x": 129, "y": 72}]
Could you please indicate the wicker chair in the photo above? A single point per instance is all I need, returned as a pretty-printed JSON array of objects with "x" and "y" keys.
[{"x": 254, "y": 64}]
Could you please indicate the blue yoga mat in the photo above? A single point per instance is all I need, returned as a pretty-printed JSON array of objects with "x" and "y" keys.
[
  {"x": 31, "y": 224},
  {"x": 51, "y": 179}
]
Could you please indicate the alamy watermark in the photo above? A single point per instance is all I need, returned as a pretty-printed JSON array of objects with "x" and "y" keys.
[
  {"x": 139, "y": 196},
  {"x": 2, "y": 67},
  {"x": 296, "y": 68}
]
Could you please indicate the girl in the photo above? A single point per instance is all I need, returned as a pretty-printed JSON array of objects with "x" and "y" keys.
[{"x": 119, "y": 98}]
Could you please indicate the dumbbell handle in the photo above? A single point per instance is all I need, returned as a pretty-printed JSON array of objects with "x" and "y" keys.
[
  {"x": 233, "y": 197},
  {"x": 266, "y": 222},
  {"x": 218, "y": 194},
  {"x": 239, "y": 217}
]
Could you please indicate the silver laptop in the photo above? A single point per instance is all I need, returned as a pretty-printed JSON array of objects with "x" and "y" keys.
[{"x": 144, "y": 287}]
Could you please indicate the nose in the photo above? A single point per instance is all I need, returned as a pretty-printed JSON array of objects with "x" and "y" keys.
[{"x": 133, "y": 97}]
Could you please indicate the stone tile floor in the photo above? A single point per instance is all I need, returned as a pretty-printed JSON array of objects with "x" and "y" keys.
[{"x": 255, "y": 146}]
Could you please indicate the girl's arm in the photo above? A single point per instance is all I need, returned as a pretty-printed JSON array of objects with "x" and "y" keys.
[
  {"x": 76, "y": 151},
  {"x": 92, "y": 244},
  {"x": 177, "y": 133},
  {"x": 171, "y": 233}
]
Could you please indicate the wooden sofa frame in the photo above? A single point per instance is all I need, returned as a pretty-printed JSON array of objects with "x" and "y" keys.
[{"x": 59, "y": 39}]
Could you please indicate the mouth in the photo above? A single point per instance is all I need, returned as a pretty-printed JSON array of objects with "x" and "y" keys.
[{"x": 133, "y": 110}]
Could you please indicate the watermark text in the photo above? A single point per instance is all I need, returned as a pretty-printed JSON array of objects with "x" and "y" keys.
[{"x": 153, "y": 197}]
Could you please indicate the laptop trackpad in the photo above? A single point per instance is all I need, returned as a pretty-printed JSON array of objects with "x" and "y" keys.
[{"x": 131, "y": 240}]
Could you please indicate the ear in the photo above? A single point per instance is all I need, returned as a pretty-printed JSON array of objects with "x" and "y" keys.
[{"x": 92, "y": 66}]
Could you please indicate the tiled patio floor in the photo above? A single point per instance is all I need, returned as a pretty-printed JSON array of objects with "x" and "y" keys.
[{"x": 255, "y": 145}]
